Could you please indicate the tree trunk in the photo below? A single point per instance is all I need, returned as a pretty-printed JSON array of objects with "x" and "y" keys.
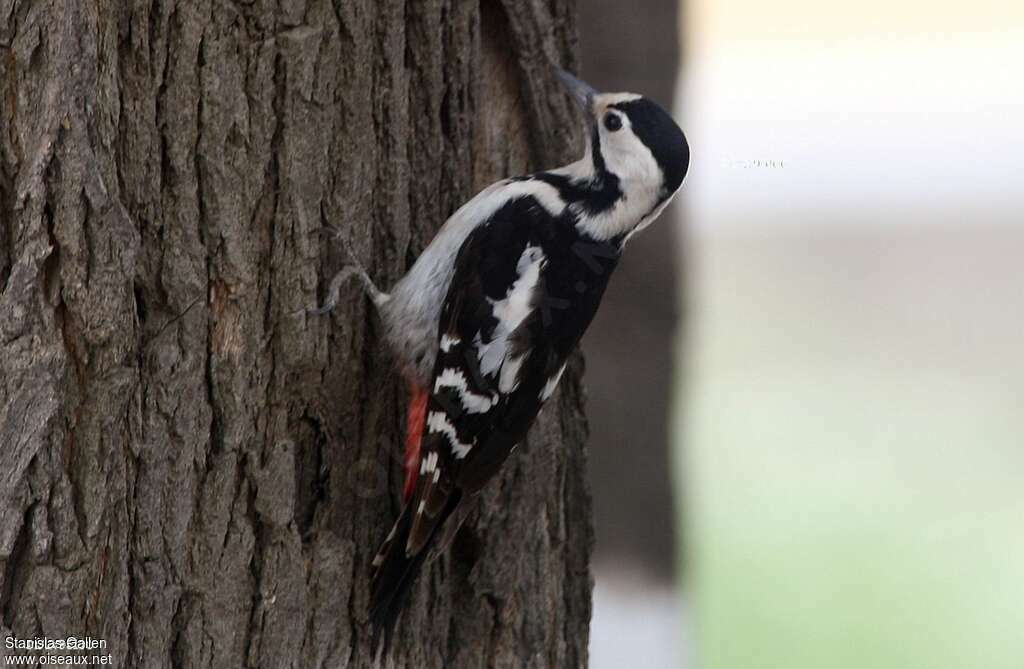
[{"x": 192, "y": 468}]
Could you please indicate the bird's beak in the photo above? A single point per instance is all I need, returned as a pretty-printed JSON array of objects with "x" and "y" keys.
[{"x": 582, "y": 91}]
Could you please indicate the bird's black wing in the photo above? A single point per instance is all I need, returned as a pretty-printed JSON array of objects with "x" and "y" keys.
[{"x": 496, "y": 362}]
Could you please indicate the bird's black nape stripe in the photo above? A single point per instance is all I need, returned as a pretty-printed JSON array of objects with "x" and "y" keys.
[
  {"x": 593, "y": 196},
  {"x": 655, "y": 128},
  {"x": 595, "y": 151}
]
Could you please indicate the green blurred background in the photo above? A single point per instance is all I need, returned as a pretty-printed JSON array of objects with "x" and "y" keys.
[{"x": 854, "y": 467}]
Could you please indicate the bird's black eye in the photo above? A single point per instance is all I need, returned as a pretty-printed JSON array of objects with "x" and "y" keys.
[{"x": 612, "y": 122}]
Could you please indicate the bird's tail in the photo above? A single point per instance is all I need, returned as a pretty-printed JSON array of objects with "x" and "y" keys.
[{"x": 395, "y": 571}]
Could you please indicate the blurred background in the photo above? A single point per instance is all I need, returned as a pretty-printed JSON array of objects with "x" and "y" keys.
[
  {"x": 630, "y": 371},
  {"x": 823, "y": 338}
]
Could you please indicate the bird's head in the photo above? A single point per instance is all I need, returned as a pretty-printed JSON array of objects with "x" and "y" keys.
[{"x": 632, "y": 139}]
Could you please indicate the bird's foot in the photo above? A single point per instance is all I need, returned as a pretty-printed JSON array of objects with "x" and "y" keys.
[{"x": 352, "y": 269}]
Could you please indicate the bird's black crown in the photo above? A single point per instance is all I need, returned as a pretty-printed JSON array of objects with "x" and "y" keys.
[{"x": 659, "y": 133}]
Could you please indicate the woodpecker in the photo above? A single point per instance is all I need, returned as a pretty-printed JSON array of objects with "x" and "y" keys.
[{"x": 484, "y": 321}]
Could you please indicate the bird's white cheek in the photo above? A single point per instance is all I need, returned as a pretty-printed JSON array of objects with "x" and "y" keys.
[
  {"x": 634, "y": 168},
  {"x": 629, "y": 159}
]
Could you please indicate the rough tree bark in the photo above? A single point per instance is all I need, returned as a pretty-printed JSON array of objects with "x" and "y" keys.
[{"x": 190, "y": 467}]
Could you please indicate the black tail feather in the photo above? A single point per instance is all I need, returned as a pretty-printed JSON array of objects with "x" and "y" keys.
[{"x": 393, "y": 578}]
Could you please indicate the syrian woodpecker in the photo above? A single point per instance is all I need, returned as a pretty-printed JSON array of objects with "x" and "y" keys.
[{"x": 484, "y": 321}]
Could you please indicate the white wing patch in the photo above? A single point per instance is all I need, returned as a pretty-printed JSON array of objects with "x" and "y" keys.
[
  {"x": 447, "y": 341},
  {"x": 428, "y": 463},
  {"x": 510, "y": 312},
  {"x": 508, "y": 379},
  {"x": 471, "y": 402},
  {"x": 549, "y": 387},
  {"x": 438, "y": 423},
  {"x": 416, "y": 300}
]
